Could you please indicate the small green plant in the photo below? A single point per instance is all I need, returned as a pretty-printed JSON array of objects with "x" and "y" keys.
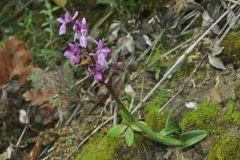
[
  {"x": 127, "y": 128},
  {"x": 34, "y": 78},
  {"x": 87, "y": 47}
]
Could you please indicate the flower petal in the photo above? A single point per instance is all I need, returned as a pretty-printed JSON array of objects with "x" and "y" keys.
[
  {"x": 105, "y": 50},
  {"x": 98, "y": 76},
  {"x": 67, "y": 17},
  {"x": 68, "y": 53},
  {"x": 62, "y": 29},
  {"x": 74, "y": 59},
  {"x": 83, "y": 41},
  {"x": 83, "y": 25},
  {"x": 60, "y": 20},
  {"x": 75, "y": 15},
  {"x": 77, "y": 36},
  {"x": 101, "y": 60}
]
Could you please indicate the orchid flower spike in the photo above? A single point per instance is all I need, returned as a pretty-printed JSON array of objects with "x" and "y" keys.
[{"x": 65, "y": 20}]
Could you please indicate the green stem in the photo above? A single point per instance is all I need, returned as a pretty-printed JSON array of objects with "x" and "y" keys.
[{"x": 167, "y": 140}]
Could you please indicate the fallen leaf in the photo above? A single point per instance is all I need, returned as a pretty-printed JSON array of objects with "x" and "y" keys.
[
  {"x": 35, "y": 151},
  {"x": 215, "y": 95},
  {"x": 14, "y": 60},
  {"x": 23, "y": 117},
  {"x": 4, "y": 156},
  {"x": 215, "y": 62},
  {"x": 128, "y": 89},
  {"x": 38, "y": 97},
  {"x": 46, "y": 96},
  {"x": 191, "y": 105},
  {"x": 113, "y": 31},
  {"x": 216, "y": 50}
]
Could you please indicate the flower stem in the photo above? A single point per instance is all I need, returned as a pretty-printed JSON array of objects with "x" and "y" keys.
[{"x": 167, "y": 140}]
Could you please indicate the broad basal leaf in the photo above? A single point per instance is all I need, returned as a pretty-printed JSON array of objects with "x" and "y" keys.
[
  {"x": 116, "y": 130},
  {"x": 129, "y": 137},
  {"x": 192, "y": 137}
]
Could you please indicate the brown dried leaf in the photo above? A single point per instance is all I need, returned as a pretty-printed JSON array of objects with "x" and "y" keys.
[
  {"x": 35, "y": 151},
  {"x": 4, "y": 156},
  {"x": 14, "y": 60},
  {"x": 215, "y": 95},
  {"x": 38, "y": 97}
]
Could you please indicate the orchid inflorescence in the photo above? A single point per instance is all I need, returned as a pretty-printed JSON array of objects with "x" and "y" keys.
[{"x": 80, "y": 50}]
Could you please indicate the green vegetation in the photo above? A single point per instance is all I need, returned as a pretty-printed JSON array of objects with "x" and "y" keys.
[
  {"x": 99, "y": 148},
  {"x": 231, "y": 45},
  {"x": 205, "y": 116},
  {"x": 226, "y": 148},
  {"x": 156, "y": 120},
  {"x": 210, "y": 117}
]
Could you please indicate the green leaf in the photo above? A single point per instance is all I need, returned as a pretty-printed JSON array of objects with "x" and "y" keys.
[
  {"x": 60, "y": 3},
  {"x": 125, "y": 118},
  {"x": 170, "y": 126},
  {"x": 192, "y": 137},
  {"x": 136, "y": 128},
  {"x": 108, "y": 2},
  {"x": 116, "y": 130},
  {"x": 129, "y": 137},
  {"x": 168, "y": 131}
]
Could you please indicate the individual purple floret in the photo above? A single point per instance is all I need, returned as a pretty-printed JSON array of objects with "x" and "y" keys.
[
  {"x": 74, "y": 59},
  {"x": 101, "y": 54},
  {"x": 80, "y": 29},
  {"x": 73, "y": 53},
  {"x": 65, "y": 20}
]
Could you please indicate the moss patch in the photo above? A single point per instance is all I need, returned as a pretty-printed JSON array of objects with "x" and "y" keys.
[
  {"x": 204, "y": 117},
  {"x": 99, "y": 148},
  {"x": 231, "y": 45},
  {"x": 226, "y": 148},
  {"x": 156, "y": 120}
]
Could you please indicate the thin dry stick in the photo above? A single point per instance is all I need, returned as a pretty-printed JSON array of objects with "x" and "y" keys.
[
  {"x": 233, "y": 1},
  {"x": 171, "y": 51},
  {"x": 22, "y": 134},
  {"x": 190, "y": 24},
  {"x": 228, "y": 29},
  {"x": 163, "y": 56},
  {"x": 180, "y": 60},
  {"x": 102, "y": 20},
  {"x": 73, "y": 114},
  {"x": 196, "y": 68},
  {"x": 184, "y": 85},
  {"x": 152, "y": 48}
]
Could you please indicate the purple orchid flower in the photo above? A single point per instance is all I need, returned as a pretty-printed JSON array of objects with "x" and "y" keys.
[
  {"x": 101, "y": 54},
  {"x": 80, "y": 29},
  {"x": 98, "y": 76},
  {"x": 77, "y": 29},
  {"x": 95, "y": 71},
  {"x": 73, "y": 52},
  {"x": 74, "y": 59},
  {"x": 65, "y": 20}
]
